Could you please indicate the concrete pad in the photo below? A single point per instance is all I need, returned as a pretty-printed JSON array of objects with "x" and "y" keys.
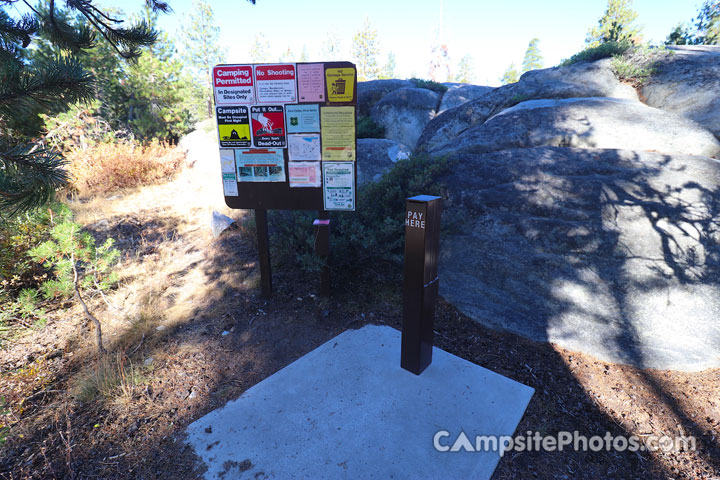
[{"x": 347, "y": 410}]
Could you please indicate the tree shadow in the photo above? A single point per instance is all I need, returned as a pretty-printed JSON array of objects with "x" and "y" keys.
[
  {"x": 548, "y": 248},
  {"x": 610, "y": 252}
]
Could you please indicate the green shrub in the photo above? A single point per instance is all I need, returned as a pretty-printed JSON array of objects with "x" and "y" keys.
[
  {"x": 74, "y": 259},
  {"x": 638, "y": 63},
  {"x": 604, "y": 50},
  {"x": 19, "y": 276},
  {"x": 4, "y": 413},
  {"x": 430, "y": 85},
  {"x": 367, "y": 128},
  {"x": 371, "y": 234},
  {"x": 628, "y": 71},
  {"x": 17, "y": 236}
]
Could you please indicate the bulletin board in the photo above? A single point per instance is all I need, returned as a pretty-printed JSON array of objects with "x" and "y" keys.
[{"x": 287, "y": 135}]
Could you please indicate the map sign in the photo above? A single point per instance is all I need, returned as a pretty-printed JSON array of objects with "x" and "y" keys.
[{"x": 304, "y": 146}]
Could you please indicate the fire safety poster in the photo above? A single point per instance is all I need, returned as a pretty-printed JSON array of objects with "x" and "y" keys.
[{"x": 268, "y": 125}]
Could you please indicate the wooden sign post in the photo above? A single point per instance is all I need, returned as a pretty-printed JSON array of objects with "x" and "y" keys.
[{"x": 420, "y": 284}]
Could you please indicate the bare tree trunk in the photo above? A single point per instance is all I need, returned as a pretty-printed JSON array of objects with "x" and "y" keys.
[{"x": 90, "y": 316}]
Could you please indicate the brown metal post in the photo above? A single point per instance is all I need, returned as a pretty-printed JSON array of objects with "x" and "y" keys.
[
  {"x": 420, "y": 284},
  {"x": 321, "y": 228},
  {"x": 261, "y": 225}
]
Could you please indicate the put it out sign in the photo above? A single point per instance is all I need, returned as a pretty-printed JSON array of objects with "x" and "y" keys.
[{"x": 415, "y": 219}]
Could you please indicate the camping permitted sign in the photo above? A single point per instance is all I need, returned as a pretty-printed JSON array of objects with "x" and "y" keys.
[{"x": 233, "y": 85}]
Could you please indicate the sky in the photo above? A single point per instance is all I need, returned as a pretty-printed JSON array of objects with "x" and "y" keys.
[{"x": 494, "y": 32}]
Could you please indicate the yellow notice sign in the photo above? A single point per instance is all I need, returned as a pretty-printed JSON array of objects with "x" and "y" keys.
[
  {"x": 337, "y": 129},
  {"x": 233, "y": 127},
  {"x": 340, "y": 84},
  {"x": 238, "y": 132}
]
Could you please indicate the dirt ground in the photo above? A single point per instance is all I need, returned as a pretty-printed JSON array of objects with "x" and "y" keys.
[{"x": 188, "y": 331}]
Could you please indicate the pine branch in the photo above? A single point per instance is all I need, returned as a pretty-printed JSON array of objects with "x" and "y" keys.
[
  {"x": 17, "y": 31},
  {"x": 55, "y": 84},
  {"x": 29, "y": 177},
  {"x": 64, "y": 35}
]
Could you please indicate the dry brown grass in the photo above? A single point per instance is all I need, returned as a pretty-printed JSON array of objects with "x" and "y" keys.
[{"x": 107, "y": 167}]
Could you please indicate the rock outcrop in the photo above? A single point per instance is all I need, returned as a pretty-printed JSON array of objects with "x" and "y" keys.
[
  {"x": 369, "y": 93},
  {"x": 459, "y": 93},
  {"x": 578, "y": 80},
  {"x": 377, "y": 156},
  {"x": 583, "y": 214},
  {"x": 405, "y": 112},
  {"x": 688, "y": 82},
  {"x": 582, "y": 122},
  {"x": 612, "y": 252}
]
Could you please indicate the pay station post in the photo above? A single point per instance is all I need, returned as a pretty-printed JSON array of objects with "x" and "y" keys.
[
  {"x": 420, "y": 284},
  {"x": 287, "y": 139}
]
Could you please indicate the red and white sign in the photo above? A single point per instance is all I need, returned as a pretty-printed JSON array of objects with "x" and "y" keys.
[
  {"x": 233, "y": 84},
  {"x": 276, "y": 83},
  {"x": 268, "y": 126}
]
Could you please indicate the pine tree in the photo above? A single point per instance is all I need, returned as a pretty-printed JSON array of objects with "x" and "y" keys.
[
  {"x": 30, "y": 173},
  {"x": 616, "y": 25},
  {"x": 332, "y": 48},
  {"x": 439, "y": 70},
  {"x": 708, "y": 24},
  {"x": 533, "y": 60},
  {"x": 388, "y": 70},
  {"x": 466, "y": 70},
  {"x": 286, "y": 56},
  {"x": 707, "y": 27},
  {"x": 680, "y": 35},
  {"x": 202, "y": 50},
  {"x": 365, "y": 50},
  {"x": 511, "y": 75},
  {"x": 304, "y": 57},
  {"x": 260, "y": 50}
]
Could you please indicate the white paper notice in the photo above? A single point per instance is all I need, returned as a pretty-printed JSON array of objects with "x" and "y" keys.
[
  {"x": 227, "y": 161},
  {"x": 304, "y": 174},
  {"x": 230, "y": 184},
  {"x": 304, "y": 147},
  {"x": 339, "y": 185}
]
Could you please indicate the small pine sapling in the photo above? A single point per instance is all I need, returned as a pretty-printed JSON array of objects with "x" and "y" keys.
[{"x": 78, "y": 266}]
